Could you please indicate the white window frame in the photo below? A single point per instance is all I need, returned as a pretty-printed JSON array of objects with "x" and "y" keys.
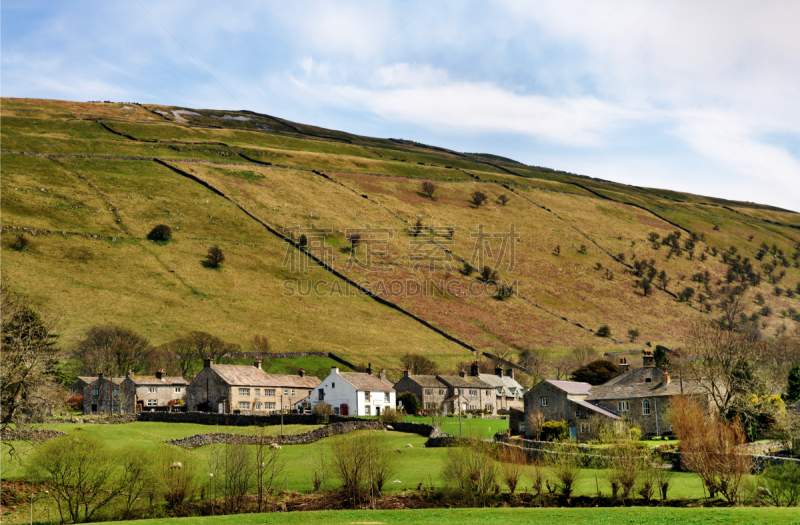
[
  {"x": 367, "y": 410},
  {"x": 269, "y": 406},
  {"x": 623, "y": 406},
  {"x": 258, "y": 392},
  {"x": 646, "y": 407},
  {"x": 269, "y": 393},
  {"x": 585, "y": 428},
  {"x": 473, "y": 393},
  {"x": 293, "y": 393},
  {"x": 286, "y": 392},
  {"x": 387, "y": 398},
  {"x": 116, "y": 392},
  {"x": 178, "y": 390},
  {"x": 244, "y": 405},
  {"x": 577, "y": 414},
  {"x": 441, "y": 392},
  {"x": 152, "y": 402},
  {"x": 244, "y": 392},
  {"x": 544, "y": 401},
  {"x": 151, "y": 390},
  {"x": 367, "y": 396}
]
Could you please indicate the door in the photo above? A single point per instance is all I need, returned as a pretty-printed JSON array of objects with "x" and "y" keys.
[
  {"x": 573, "y": 434},
  {"x": 94, "y": 408},
  {"x": 343, "y": 409},
  {"x": 221, "y": 408},
  {"x": 377, "y": 411}
]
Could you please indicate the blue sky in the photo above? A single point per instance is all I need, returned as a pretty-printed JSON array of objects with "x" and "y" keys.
[{"x": 691, "y": 96}]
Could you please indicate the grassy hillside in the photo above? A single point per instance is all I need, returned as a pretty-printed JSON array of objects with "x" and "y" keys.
[{"x": 240, "y": 183}]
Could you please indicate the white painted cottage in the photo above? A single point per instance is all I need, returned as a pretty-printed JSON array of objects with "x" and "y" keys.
[{"x": 355, "y": 393}]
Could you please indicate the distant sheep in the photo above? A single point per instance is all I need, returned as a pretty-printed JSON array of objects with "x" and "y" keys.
[{"x": 275, "y": 446}]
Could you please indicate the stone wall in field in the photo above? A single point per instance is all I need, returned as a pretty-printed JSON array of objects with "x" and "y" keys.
[{"x": 30, "y": 434}]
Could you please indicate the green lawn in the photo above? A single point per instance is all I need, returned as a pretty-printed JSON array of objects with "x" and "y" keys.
[
  {"x": 476, "y": 427},
  {"x": 593, "y": 516}
]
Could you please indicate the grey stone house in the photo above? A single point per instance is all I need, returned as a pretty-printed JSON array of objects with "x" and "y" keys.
[
  {"x": 158, "y": 390},
  {"x": 508, "y": 392},
  {"x": 107, "y": 396},
  {"x": 430, "y": 392},
  {"x": 564, "y": 401},
  {"x": 468, "y": 393},
  {"x": 226, "y": 389},
  {"x": 80, "y": 383}
]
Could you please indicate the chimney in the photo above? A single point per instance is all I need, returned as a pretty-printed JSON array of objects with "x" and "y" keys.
[
  {"x": 130, "y": 373},
  {"x": 335, "y": 370},
  {"x": 474, "y": 370},
  {"x": 369, "y": 368},
  {"x": 301, "y": 373},
  {"x": 666, "y": 377},
  {"x": 648, "y": 360},
  {"x": 100, "y": 375},
  {"x": 462, "y": 374},
  {"x": 257, "y": 363},
  {"x": 623, "y": 365},
  {"x": 498, "y": 371},
  {"x": 510, "y": 373},
  {"x": 207, "y": 362},
  {"x": 407, "y": 372},
  {"x": 160, "y": 374},
  {"x": 382, "y": 375}
]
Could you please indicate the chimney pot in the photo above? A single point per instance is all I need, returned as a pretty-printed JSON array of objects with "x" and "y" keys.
[
  {"x": 301, "y": 373},
  {"x": 474, "y": 369},
  {"x": 159, "y": 374},
  {"x": 498, "y": 371},
  {"x": 207, "y": 362},
  {"x": 369, "y": 368},
  {"x": 257, "y": 363}
]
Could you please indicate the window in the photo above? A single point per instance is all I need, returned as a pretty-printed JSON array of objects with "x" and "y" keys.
[
  {"x": 577, "y": 414},
  {"x": 441, "y": 392},
  {"x": 386, "y": 398},
  {"x": 293, "y": 393},
  {"x": 333, "y": 385},
  {"x": 623, "y": 406},
  {"x": 286, "y": 392},
  {"x": 286, "y": 407},
  {"x": 490, "y": 408},
  {"x": 270, "y": 406},
  {"x": 151, "y": 390},
  {"x": 244, "y": 405},
  {"x": 367, "y": 410},
  {"x": 321, "y": 394},
  {"x": 544, "y": 401},
  {"x": 271, "y": 393},
  {"x": 473, "y": 407},
  {"x": 116, "y": 391},
  {"x": 429, "y": 392},
  {"x": 647, "y": 379},
  {"x": 473, "y": 393},
  {"x": 336, "y": 410},
  {"x": 646, "y": 407},
  {"x": 489, "y": 392},
  {"x": 584, "y": 428},
  {"x": 258, "y": 392},
  {"x": 258, "y": 406},
  {"x": 178, "y": 390},
  {"x": 366, "y": 396},
  {"x": 95, "y": 391},
  {"x": 244, "y": 391},
  {"x": 152, "y": 402}
]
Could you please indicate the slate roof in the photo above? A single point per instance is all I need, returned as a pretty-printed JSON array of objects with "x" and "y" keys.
[
  {"x": 429, "y": 381},
  {"x": 508, "y": 386},
  {"x": 366, "y": 382},
  {"x": 640, "y": 390},
  {"x": 571, "y": 387},
  {"x": 114, "y": 380},
  {"x": 637, "y": 375},
  {"x": 246, "y": 375},
  {"x": 153, "y": 380},
  {"x": 87, "y": 379},
  {"x": 464, "y": 382},
  {"x": 595, "y": 408}
]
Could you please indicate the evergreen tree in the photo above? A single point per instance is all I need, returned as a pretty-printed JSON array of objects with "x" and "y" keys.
[{"x": 793, "y": 388}]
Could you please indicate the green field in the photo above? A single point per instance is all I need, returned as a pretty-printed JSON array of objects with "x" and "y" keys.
[{"x": 587, "y": 516}]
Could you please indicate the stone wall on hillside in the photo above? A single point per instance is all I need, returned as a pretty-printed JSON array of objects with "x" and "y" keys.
[
  {"x": 333, "y": 429},
  {"x": 30, "y": 434}
]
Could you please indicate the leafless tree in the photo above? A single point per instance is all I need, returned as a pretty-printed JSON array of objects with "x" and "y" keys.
[
  {"x": 477, "y": 198},
  {"x": 114, "y": 350},
  {"x": 418, "y": 364},
  {"x": 238, "y": 476},
  {"x": 565, "y": 467},
  {"x": 136, "y": 479},
  {"x": 177, "y": 475},
  {"x": 503, "y": 199},
  {"x": 29, "y": 338},
  {"x": 180, "y": 351},
  {"x": 533, "y": 361},
  {"x": 260, "y": 343},
  {"x": 429, "y": 189},
  {"x": 583, "y": 355},
  {"x": 207, "y": 345},
  {"x": 215, "y": 257},
  {"x": 471, "y": 468},
  {"x": 533, "y": 423},
  {"x": 513, "y": 463},
  {"x": 269, "y": 465}
]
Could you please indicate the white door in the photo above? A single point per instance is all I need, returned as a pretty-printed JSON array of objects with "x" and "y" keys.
[{"x": 221, "y": 408}]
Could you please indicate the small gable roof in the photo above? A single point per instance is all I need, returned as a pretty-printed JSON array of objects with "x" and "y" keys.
[
  {"x": 429, "y": 381},
  {"x": 153, "y": 380},
  {"x": 571, "y": 387},
  {"x": 594, "y": 408},
  {"x": 366, "y": 382},
  {"x": 464, "y": 382}
]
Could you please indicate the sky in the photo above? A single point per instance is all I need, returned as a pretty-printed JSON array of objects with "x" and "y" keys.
[{"x": 692, "y": 96}]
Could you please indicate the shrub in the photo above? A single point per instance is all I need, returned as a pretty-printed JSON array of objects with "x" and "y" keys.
[
  {"x": 323, "y": 411},
  {"x": 633, "y": 333},
  {"x": 489, "y": 275},
  {"x": 162, "y": 232},
  {"x": 471, "y": 468},
  {"x": 604, "y": 331},
  {"x": 504, "y": 200},
  {"x": 75, "y": 402},
  {"x": 177, "y": 475},
  {"x": 555, "y": 430},
  {"x": 303, "y": 240},
  {"x": 504, "y": 291},
  {"x": 363, "y": 463},
  {"x": 410, "y": 402},
  {"x": 783, "y": 483},
  {"x": 596, "y": 373},
  {"x": 565, "y": 467},
  {"x": 20, "y": 242},
  {"x": 467, "y": 269},
  {"x": 429, "y": 189},
  {"x": 512, "y": 465},
  {"x": 477, "y": 198},
  {"x": 215, "y": 257},
  {"x": 390, "y": 415}
]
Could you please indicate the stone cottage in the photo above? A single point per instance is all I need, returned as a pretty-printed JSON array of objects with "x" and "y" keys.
[
  {"x": 107, "y": 396},
  {"x": 159, "y": 390},
  {"x": 430, "y": 392},
  {"x": 226, "y": 389},
  {"x": 468, "y": 393},
  {"x": 508, "y": 392},
  {"x": 80, "y": 383},
  {"x": 355, "y": 393}
]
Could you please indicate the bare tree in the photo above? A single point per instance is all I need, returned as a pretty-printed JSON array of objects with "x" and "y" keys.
[
  {"x": 207, "y": 345},
  {"x": 177, "y": 475},
  {"x": 477, "y": 198},
  {"x": 429, "y": 189},
  {"x": 183, "y": 351},
  {"x": 27, "y": 388},
  {"x": 269, "y": 465},
  {"x": 238, "y": 475},
  {"x": 260, "y": 343},
  {"x": 215, "y": 257},
  {"x": 513, "y": 462},
  {"x": 565, "y": 467},
  {"x": 471, "y": 468},
  {"x": 136, "y": 479},
  {"x": 418, "y": 364},
  {"x": 114, "y": 350},
  {"x": 533, "y": 423},
  {"x": 504, "y": 199}
]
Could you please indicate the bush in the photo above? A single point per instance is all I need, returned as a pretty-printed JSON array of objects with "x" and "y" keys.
[
  {"x": 429, "y": 189},
  {"x": 410, "y": 402},
  {"x": 20, "y": 242},
  {"x": 555, "y": 430},
  {"x": 566, "y": 468},
  {"x": 215, "y": 257},
  {"x": 783, "y": 483},
  {"x": 75, "y": 402},
  {"x": 162, "y": 232},
  {"x": 471, "y": 469},
  {"x": 477, "y": 198},
  {"x": 390, "y": 415},
  {"x": 596, "y": 373},
  {"x": 489, "y": 275},
  {"x": 364, "y": 463},
  {"x": 604, "y": 331},
  {"x": 323, "y": 411}
]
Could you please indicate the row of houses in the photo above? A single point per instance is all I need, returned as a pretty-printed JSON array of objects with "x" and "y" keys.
[
  {"x": 243, "y": 389},
  {"x": 640, "y": 396}
]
